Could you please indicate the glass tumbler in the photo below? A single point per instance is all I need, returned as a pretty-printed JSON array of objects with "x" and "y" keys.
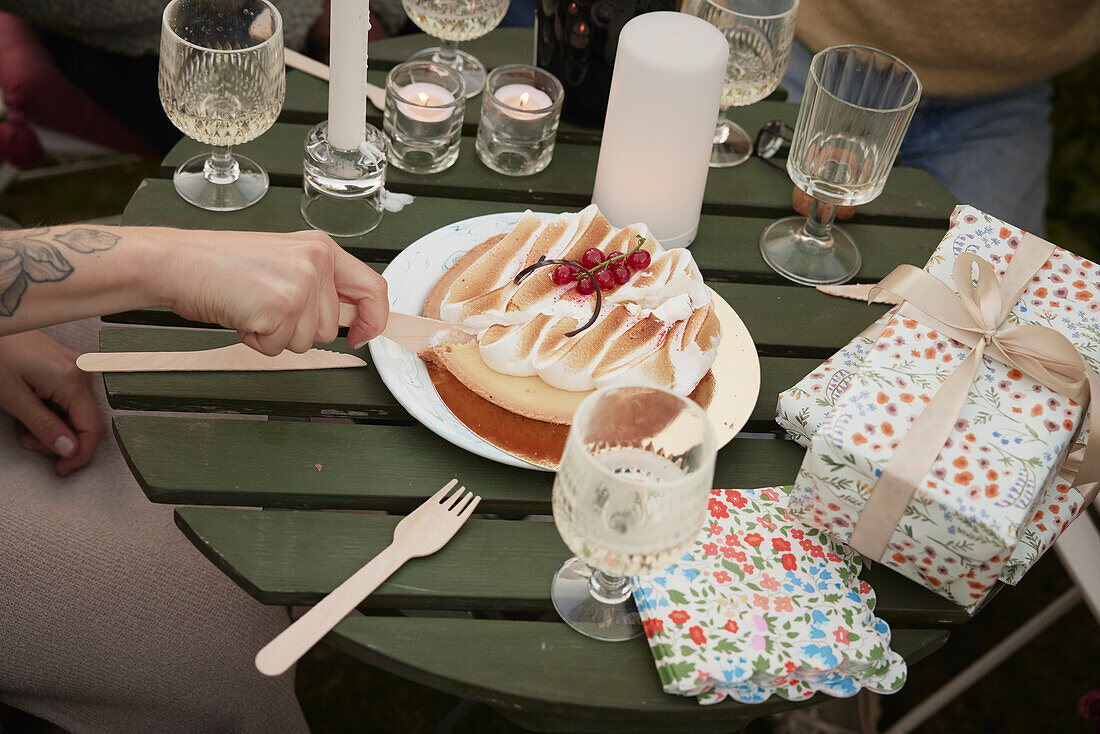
[
  {"x": 425, "y": 104},
  {"x": 629, "y": 498},
  {"x": 520, "y": 112},
  {"x": 855, "y": 111}
]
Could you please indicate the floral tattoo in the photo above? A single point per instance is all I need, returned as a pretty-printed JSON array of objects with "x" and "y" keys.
[{"x": 32, "y": 255}]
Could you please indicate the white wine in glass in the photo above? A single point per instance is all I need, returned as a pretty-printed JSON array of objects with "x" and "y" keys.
[
  {"x": 221, "y": 82},
  {"x": 629, "y": 498},
  {"x": 760, "y": 34},
  {"x": 452, "y": 21}
]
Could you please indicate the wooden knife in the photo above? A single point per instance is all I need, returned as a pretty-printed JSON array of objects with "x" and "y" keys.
[
  {"x": 235, "y": 357},
  {"x": 375, "y": 95},
  {"x": 414, "y": 333}
]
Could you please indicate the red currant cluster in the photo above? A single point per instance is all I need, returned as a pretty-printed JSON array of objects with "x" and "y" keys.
[
  {"x": 592, "y": 274},
  {"x": 609, "y": 273}
]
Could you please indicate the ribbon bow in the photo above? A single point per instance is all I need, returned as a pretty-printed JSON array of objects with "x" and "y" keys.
[{"x": 973, "y": 316}]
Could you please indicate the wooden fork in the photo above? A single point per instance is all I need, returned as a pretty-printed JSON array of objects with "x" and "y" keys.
[{"x": 421, "y": 533}]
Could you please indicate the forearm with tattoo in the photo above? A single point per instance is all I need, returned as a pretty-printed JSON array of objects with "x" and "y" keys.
[{"x": 42, "y": 256}]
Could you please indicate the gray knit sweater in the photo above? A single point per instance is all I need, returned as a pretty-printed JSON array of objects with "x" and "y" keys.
[{"x": 132, "y": 27}]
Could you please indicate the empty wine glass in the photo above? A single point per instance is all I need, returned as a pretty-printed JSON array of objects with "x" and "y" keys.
[
  {"x": 222, "y": 82},
  {"x": 760, "y": 33},
  {"x": 452, "y": 21},
  {"x": 629, "y": 498},
  {"x": 854, "y": 114}
]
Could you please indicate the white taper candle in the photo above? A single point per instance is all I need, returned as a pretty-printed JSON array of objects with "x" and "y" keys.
[
  {"x": 347, "y": 88},
  {"x": 655, "y": 149}
]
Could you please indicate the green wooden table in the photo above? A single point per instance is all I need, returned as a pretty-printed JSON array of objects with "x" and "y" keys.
[{"x": 471, "y": 619}]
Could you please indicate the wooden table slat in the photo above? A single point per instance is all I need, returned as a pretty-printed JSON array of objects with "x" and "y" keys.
[
  {"x": 296, "y": 557},
  {"x": 912, "y": 196},
  {"x": 353, "y": 392},
  {"x": 306, "y": 103},
  {"x": 726, "y": 247},
  {"x": 502, "y": 46},
  {"x": 212, "y": 461},
  {"x": 581, "y": 684}
]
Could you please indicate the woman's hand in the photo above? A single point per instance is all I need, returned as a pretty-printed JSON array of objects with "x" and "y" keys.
[
  {"x": 279, "y": 291},
  {"x": 51, "y": 400}
]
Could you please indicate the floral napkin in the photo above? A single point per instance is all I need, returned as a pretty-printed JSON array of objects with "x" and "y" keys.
[{"x": 763, "y": 605}]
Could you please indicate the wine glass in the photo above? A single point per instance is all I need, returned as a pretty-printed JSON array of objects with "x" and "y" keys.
[
  {"x": 854, "y": 114},
  {"x": 760, "y": 33},
  {"x": 452, "y": 21},
  {"x": 629, "y": 498},
  {"x": 222, "y": 82}
]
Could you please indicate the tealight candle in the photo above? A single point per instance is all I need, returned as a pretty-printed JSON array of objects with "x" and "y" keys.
[
  {"x": 519, "y": 119},
  {"x": 425, "y": 103},
  {"x": 425, "y": 95},
  {"x": 523, "y": 97}
]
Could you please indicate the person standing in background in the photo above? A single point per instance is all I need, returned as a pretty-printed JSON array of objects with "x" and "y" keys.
[{"x": 983, "y": 125}]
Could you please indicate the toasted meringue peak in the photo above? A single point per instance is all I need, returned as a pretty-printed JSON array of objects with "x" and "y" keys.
[{"x": 657, "y": 329}]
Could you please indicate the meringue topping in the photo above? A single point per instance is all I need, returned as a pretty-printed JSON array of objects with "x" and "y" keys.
[{"x": 657, "y": 329}]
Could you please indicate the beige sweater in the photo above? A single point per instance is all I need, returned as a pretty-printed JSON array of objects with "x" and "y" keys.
[{"x": 962, "y": 47}]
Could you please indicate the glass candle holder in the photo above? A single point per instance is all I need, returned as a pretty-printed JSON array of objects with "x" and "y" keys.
[
  {"x": 520, "y": 111},
  {"x": 425, "y": 104}
]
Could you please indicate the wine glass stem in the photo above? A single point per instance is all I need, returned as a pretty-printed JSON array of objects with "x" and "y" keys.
[
  {"x": 220, "y": 167},
  {"x": 447, "y": 53},
  {"x": 721, "y": 132},
  {"x": 607, "y": 588},
  {"x": 819, "y": 222}
]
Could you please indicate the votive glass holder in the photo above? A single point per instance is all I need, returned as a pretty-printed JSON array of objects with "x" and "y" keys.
[
  {"x": 520, "y": 111},
  {"x": 425, "y": 105}
]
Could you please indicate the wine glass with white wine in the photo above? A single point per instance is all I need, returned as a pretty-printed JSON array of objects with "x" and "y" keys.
[
  {"x": 629, "y": 498},
  {"x": 452, "y": 21},
  {"x": 222, "y": 82},
  {"x": 760, "y": 34}
]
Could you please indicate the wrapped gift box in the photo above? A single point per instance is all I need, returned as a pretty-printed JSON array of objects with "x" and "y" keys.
[
  {"x": 804, "y": 407},
  {"x": 977, "y": 505}
]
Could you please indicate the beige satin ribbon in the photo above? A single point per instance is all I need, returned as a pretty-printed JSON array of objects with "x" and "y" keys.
[
  {"x": 1070, "y": 468},
  {"x": 972, "y": 316}
]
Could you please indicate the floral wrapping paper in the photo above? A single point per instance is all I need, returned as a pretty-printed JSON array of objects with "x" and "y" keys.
[
  {"x": 804, "y": 407},
  {"x": 981, "y": 499},
  {"x": 763, "y": 605}
]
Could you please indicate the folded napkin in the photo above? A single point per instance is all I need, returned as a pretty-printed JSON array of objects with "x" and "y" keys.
[{"x": 763, "y": 605}]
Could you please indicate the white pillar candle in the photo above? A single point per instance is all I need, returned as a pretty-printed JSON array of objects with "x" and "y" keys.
[
  {"x": 655, "y": 149},
  {"x": 347, "y": 87},
  {"x": 425, "y": 94}
]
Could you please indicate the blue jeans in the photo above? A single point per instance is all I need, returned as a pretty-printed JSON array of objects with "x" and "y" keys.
[{"x": 990, "y": 151}]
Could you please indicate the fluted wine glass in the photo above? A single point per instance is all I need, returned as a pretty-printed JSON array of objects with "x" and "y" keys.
[
  {"x": 452, "y": 21},
  {"x": 629, "y": 498},
  {"x": 855, "y": 111},
  {"x": 760, "y": 34},
  {"x": 221, "y": 82}
]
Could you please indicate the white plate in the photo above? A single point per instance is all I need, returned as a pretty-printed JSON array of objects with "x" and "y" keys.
[
  {"x": 418, "y": 267},
  {"x": 411, "y": 276}
]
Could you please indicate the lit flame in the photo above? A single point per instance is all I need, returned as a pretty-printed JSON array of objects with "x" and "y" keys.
[
  {"x": 524, "y": 98},
  {"x": 423, "y": 97}
]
